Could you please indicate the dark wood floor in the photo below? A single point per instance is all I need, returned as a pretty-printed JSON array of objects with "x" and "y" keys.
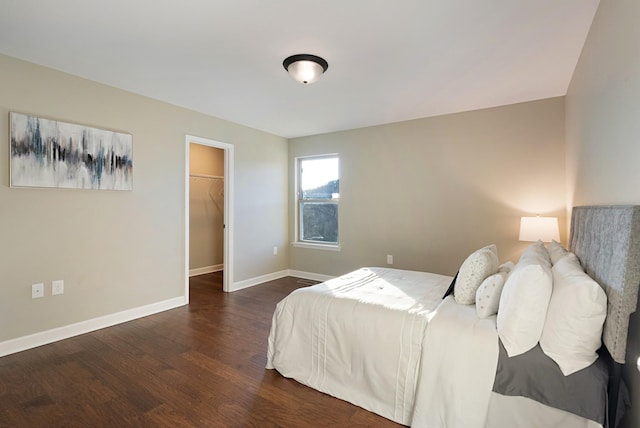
[{"x": 200, "y": 365}]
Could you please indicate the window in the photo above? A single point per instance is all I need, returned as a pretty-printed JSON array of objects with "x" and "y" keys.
[{"x": 318, "y": 196}]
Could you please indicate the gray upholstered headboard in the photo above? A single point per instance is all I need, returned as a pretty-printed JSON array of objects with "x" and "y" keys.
[{"x": 606, "y": 239}]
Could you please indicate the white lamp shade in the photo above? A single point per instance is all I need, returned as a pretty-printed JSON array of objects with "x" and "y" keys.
[
  {"x": 305, "y": 71},
  {"x": 544, "y": 229}
]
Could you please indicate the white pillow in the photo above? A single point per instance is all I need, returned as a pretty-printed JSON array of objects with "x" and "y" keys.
[
  {"x": 479, "y": 265},
  {"x": 556, "y": 251},
  {"x": 523, "y": 306},
  {"x": 488, "y": 294},
  {"x": 577, "y": 310},
  {"x": 536, "y": 253}
]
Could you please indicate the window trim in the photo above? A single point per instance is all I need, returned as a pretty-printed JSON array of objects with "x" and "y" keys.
[
  {"x": 297, "y": 193},
  {"x": 317, "y": 245}
]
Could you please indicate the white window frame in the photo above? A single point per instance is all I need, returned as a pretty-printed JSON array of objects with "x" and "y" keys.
[{"x": 297, "y": 194}]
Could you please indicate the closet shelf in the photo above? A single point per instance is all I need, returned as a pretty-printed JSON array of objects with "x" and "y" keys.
[{"x": 207, "y": 176}]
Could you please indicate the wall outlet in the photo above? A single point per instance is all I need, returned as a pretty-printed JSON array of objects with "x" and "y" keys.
[
  {"x": 275, "y": 251},
  {"x": 57, "y": 287},
  {"x": 37, "y": 290},
  {"x": 389, "y": 259}
]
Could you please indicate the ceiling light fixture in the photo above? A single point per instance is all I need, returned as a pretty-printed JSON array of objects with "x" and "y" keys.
[{"x": 305, "y": 68}]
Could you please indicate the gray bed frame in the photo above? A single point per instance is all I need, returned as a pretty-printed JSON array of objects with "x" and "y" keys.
[{"x": 606, "y": 239}]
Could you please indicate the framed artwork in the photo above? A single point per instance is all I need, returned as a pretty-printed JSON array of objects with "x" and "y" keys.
[{"x": 51, "y": 153}]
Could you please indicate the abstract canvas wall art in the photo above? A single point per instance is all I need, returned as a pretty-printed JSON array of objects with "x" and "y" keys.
[{"x": 51, "y": 153}]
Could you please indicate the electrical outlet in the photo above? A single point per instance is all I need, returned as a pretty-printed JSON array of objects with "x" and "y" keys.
[
  {"x": 275, "y": 251},
  {"x": 57, "y": 287},
  {"x": 37, "y": 290},
  {"x": 389, "y": 259}
]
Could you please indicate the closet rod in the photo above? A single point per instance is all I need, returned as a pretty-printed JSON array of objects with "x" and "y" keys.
[{"x": 213, "y": 177}]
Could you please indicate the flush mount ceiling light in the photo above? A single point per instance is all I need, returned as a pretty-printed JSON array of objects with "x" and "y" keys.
[{"x": 305, "y": 68}]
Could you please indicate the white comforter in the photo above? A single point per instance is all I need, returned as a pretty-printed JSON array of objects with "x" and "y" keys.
[
  {"x": 458, "y": 368},
  {"x": 378, "y": 362}
]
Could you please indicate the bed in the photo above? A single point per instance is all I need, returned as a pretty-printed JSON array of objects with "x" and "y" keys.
[{"x": 400, "y": 344}]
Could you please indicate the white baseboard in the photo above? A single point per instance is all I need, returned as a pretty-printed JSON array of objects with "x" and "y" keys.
[
  {"x": 45, "y": 337},
  {"x": 49, "y": 336},
  {"x": 310, "y": 275},
  {"x": 205, "y": 270},
  {"x": 277, "y": 275},
  {"x": 259, "y": 280}
]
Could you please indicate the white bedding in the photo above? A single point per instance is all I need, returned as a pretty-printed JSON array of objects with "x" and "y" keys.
[
  {"x": 411, "y": 357},
  {"x": 313, "y": 341},
  {"x": 458, "y": 368}
]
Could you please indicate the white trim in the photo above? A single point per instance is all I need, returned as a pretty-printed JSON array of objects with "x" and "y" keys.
[
  {"x": 205, "y": 270},
  {"x": 227, "y": 278},
  {"x": 259, "y": 280},
  {"x": 296, "y": 201},
  {"x": 310, "y": 275},
  {"x": 187, "y": 169},
  {"x": 49, "y": 336},
  {"x": 325, "y": 247}
]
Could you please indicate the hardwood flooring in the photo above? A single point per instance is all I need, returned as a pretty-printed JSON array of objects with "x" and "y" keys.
[{"x": 200, "y": 365}]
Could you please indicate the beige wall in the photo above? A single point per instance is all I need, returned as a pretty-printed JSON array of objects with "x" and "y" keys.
[
  {"x": 431, "y": 191},
  {"x": 206, "y": 207},
  {"x": 603, "y": 132},
  {"x": 122, "y": 250}
]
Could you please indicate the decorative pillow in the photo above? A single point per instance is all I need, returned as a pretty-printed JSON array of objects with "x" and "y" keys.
[
  {"x": 479, "y": 265},
  {"x": 556, "y": 251},
  {"x": 523, "y": 306},
  {"x": 506, "y": 267},
  {"x": 577, "y": 310},
  {"x": 488, "y": 294}
]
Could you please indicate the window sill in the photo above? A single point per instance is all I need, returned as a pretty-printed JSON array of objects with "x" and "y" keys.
[{"x": 325, "y": 247}]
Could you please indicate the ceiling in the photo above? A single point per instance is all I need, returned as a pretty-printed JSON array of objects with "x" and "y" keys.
[{"x": 389, "y": 61}]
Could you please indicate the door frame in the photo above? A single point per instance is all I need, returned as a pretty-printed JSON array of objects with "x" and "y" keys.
[{"x": 227, "y": 269}]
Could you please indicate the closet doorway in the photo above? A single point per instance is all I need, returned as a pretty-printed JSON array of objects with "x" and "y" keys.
[{"x": 208, "y": 210}]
